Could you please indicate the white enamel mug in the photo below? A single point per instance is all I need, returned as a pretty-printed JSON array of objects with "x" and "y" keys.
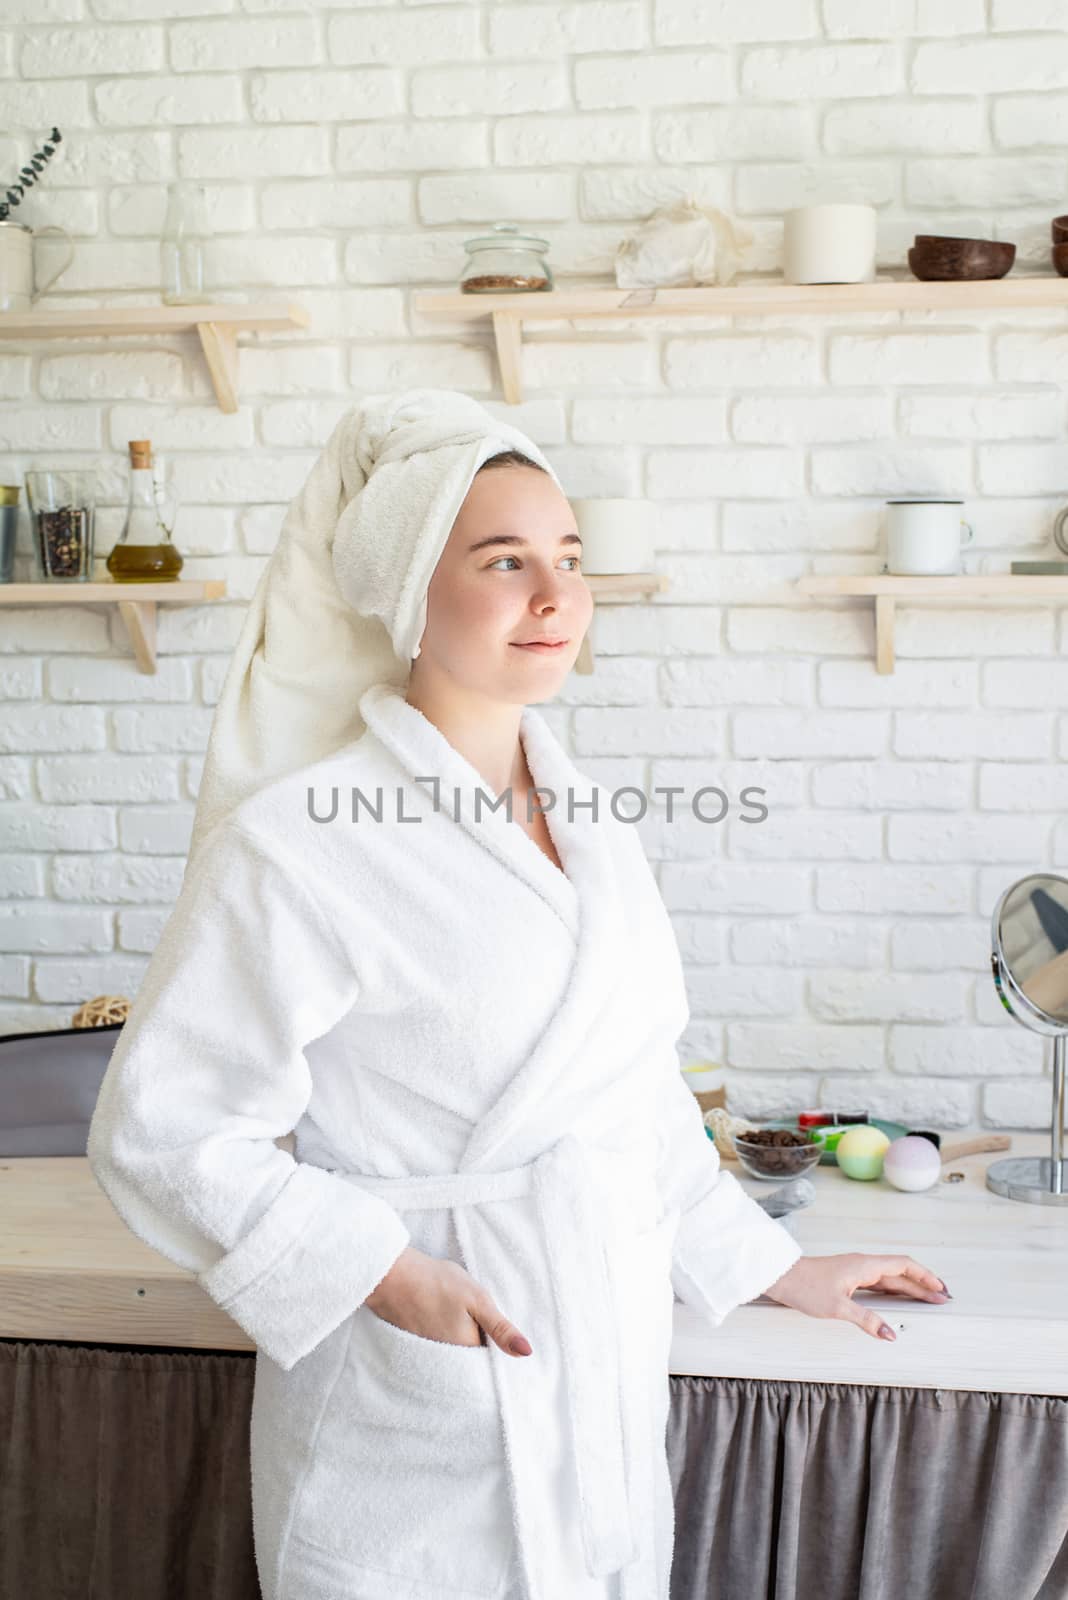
[{"x": 924, "y": 536}]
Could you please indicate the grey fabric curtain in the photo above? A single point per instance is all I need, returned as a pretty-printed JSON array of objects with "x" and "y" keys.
[
  {"x": 124, "y": 1473},
  {"x": 828, "y": 1491}
]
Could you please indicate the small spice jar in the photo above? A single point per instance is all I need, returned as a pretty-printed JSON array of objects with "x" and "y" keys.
[
  {"x": 62, "y": 503},
  {"x": 9, "y": 518},
  {"x": 505, "y": 262}
]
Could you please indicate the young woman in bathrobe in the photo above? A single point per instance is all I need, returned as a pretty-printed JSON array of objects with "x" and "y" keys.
[{"x": 461, "y": 1284}]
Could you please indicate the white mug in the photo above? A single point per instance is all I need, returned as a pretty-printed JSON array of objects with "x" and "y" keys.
[
  {"x": 829, "y": 244},
  {"x": 924, "y": 536},
  {"x": 617, "y": 535}
]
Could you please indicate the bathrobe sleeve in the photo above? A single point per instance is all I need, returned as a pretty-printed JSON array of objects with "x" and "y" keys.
[
  {"x": 727, "y": 1249},
  {"x": 209, "y": 1070}
]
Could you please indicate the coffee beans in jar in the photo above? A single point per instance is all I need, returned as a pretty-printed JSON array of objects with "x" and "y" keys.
[
  {"x": 63, "y": 541},
  {"x": 506, "y": 261},
  {"x": 502, "y": 283},
  {"x": 62, "y": 502}
]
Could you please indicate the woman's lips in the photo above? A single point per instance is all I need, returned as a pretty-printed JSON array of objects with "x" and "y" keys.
[{"x": 540, "y": 645}]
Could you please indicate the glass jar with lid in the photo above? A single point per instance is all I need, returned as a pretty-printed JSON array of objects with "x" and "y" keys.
[{"x": 505, "y": 262}]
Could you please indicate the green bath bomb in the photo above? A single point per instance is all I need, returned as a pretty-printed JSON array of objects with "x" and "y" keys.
[{"x": 860, "y": 1151}]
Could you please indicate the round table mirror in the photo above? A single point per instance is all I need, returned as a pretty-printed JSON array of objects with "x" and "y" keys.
[{"x": 1029, "y": 937}]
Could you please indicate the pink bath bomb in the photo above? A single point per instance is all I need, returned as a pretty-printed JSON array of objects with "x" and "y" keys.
[{"x": 912, "y": 1163}]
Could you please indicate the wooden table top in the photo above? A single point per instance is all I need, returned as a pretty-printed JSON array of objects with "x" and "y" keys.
[
  {"x": 1004, "y": 1262},
  {"x": 70, "y": 1269}
]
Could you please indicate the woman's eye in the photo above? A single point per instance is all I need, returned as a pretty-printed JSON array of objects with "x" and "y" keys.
[{"x": 575, "y": 559}]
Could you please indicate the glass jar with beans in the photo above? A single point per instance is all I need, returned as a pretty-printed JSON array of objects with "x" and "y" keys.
[
  {"x": 505, "y": 262},
  {"x": 62, "y": 503}
]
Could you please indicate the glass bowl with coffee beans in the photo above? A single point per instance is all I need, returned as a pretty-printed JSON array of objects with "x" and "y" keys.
[{"x": 777, "y": 1153}]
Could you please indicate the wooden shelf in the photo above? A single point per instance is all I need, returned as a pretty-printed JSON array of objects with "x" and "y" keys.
[
  {"x": 614, "y": 588},
  {"x": 886, "y": 589},
  {"x": 136, "y": 602},
  {"x": 758, "y": 297},
  {"x": 621, "y": 586},
  {"x": 217, "y": 326}
]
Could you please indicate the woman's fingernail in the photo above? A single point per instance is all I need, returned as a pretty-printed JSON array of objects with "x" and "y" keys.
[
  {"x": 886, "y": 1332},
  {"x": 944, "y": 1289}
]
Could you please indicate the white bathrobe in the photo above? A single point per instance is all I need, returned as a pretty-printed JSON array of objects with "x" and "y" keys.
[{"x": 477, "y": 1054}]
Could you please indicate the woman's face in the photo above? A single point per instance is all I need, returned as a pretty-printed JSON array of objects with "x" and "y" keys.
[{"x": 509, "y": 573}]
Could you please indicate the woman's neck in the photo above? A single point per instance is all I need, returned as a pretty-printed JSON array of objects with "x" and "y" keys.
[{"x": 484, "y": 731}]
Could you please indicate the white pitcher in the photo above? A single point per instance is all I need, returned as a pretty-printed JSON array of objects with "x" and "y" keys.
[{"x": 19, "y": 289}]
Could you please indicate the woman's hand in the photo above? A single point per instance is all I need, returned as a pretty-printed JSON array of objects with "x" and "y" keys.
[
  {"x": 440, "y": 1300},
  {"x": 822, "y": 1286}
]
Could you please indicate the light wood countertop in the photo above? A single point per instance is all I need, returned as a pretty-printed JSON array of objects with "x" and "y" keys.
[
  {"x": 1004, "y": 1262},
  {"x": 70, "y": 1269}
]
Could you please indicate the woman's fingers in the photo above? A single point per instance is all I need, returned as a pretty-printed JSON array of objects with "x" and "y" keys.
[
  {"x": 897, "y": 1284},
  {"x": 891, "y": 1275},
  {"x": 872, "y": 1269},
  {"x": 498, "y": 1328},
  {"x": 872, "y": 1322}
]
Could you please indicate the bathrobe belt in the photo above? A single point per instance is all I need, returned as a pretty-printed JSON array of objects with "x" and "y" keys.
[{"x": 573, "y": 1217}]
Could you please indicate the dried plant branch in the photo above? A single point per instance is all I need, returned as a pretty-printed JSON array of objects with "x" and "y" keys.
[{"x": 28, "y": 175}]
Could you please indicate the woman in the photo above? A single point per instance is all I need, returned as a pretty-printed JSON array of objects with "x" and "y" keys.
[{"x": 461, "y": 1288}]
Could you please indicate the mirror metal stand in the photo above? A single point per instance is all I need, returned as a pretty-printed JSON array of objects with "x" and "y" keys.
[
  {"x": 1042, "y": 1180},
  {"x": 1030, "y": 921}
]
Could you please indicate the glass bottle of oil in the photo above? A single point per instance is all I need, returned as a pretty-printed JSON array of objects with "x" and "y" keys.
[{"x": 144, "y": 550}]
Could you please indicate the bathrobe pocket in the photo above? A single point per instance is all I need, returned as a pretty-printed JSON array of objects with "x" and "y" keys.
[
  {"x": 408, "y": 1470},
  {"x": 459, "y": 1370}
]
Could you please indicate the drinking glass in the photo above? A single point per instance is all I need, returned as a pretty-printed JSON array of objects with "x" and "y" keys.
[{"x": 62, "y": 503}]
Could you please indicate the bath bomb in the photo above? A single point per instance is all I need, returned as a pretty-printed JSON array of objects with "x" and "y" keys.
[
  {"x": 912, "y": 1163},
  {"x": 860, "y": 1151}
]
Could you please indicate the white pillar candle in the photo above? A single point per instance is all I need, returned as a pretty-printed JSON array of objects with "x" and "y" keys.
[{"x": 829, "y": 244}]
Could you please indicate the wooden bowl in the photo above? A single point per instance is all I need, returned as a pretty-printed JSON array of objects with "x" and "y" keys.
[
  {"x": 1060, "y": 258},
  {"x": 1058, "y": 229},
  {"x": 941, "y": 256}
]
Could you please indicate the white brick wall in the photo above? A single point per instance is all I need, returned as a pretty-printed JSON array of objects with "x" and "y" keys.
[{"x": 837, "y": 952}]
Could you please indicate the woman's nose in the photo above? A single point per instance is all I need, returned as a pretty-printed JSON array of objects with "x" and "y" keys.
[{"x": 550, "y": 590}]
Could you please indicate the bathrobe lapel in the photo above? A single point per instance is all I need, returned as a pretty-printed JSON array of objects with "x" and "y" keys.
[{"x": 585, "y": 895}]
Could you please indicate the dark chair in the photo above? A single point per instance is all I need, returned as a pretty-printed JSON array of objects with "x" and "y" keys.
[{"x": 49, "y": 1083}]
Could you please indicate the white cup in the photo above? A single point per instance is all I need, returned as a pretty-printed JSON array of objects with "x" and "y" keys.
[
  {"x": 924, "y": 536},
  {"x": 829, "y": 244},
  {"x": 617, "y": 535}
]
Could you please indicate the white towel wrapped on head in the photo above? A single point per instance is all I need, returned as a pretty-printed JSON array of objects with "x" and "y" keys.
[{"x": 341, "y": 604}]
